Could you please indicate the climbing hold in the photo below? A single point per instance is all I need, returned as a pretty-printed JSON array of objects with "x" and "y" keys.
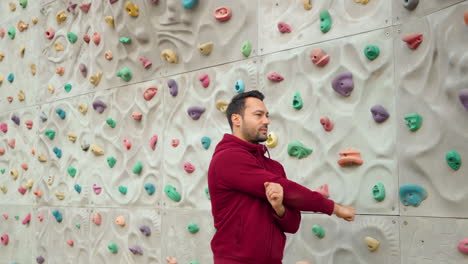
[
  {"x": 113, "y": 248},
  {"x": 222, "y": 105},
  {"x": 4, "y": 239},
  {"x": 23, "y": 3},
  {"x": 349, "y": 157},
  {"x": 51, "y": 89},
  {"x": 4, "y": 189},
  {"x": 465, "y": 16},
  {"x": 189, "y": 4},
  {"x": 4, "y": 127},
  {"x": 371, "y": 52},
  {"x": 206, "y": 48},
  {"x": 372, "y": 243},
  {"x": 60, "y": 70},
  {"x": 50, "y": 33},
  {"x": 110, "y": 21},
  {"x": 71, "y": 171},
  {"x": 11, "y": 77},
  {"x": 12, "y": 32},
  {"x": 78, "y": 225},
  {"x": 275, "y": 77},
  {"x": 108, "y": 55},
  {"x": 343, "y": 83},
  {"x": 2, "y": 55},
  {"x": 246, "y": 48},
  {"x": 40, "y": 259},
  {"x": 204, "y": 79},
  {"x": 12, "y": 7},
  {"x": 413, "y": 121},
  {"x": 67, "y": 87},
  {"x": 150, "y": 93},
  {"x": 325, "y": 21},
  {"x": 58, "y": 216},
  {"x": 97, "y": 189},
  {"x": 207, "y": 193},
  {"x": 42, "y": 158},
  {"x": 14, "y": 174},
  {"x": 223, "y": 13},
  {"x": 149, "y": 188},
  {"x": 123, "y": 190},
  {"x": 413, "y": 40},
  {"x": 70, "y": 243},
  {"x": 137, "y": 116},
  {"x": 174, "y": 142},
  {"x": 97, "y": 219},
  {"x": 85, "y": 7},
  {"x": 10, "y": 99},
  {"x": 193, "y": 228},
  {"x": 153, "y": 141},
  {"x": 120, "y": 220},
  {"x": 453, "y": 160},
  {"x": 239, "y": 87},
  {"x": 83, "y": 69},
  {"x": 138, "y": 167},
  {"x": 362, "y": 1},
  {"x": 59, "y": 195},
  {"x": 379, "y": 113},
  {"x": 2, "y": 152},
  {"x": 169, "y": 55},
  {"x": 111, "y": 161},
  {"x": 410, "y": 4},
  {"x": 131, "y": 8},
  {"x": 15, "y": 119},
  {"x": 97, "y": 150},
  {"x": 125, "y": 73},
  {"x": 33, "y": 69},
  {"x": 83, "y": 108},
  {"x": 24, "y": 166},
  {"x": 58, "y": 152},
  {"x": 113, "y": 1},
  {"x": 306, "y": 4},
  {"x": 319, "y": 57},
  {"x": 188, "y": 167},
  {"x": 35, "y": 20},
  {"x": 173, "y": 88},
  {"x": 2, "y": 33},
  {"x": 96, "y": 38},
  {"x": 61, "y": 113},
  {"x": 71, "y": 7},
  {"x": 27, "y": 219},
  {"x": 298, "y": 150},
  {"x": 195, "y": 112},
  {"x": 95, "y": 78},
  {"x": 29, "y": 124},
  {"x": 125, "y": 40},
  {"x": 22, "y": 26},
  {"x": 272, "y": 140},
  {"x": 412, "y": 194},
  {"x": 43, "y": 117},
  {"x": 206, "y": 142},
  {"x": 318, "y": 231},
  {"x": 72, "y": 37},
  {"x": 99, "y": 106},
  {"x": 145, "y": 62},
  {"x": 463, "y": 96},
  {"x": 145, "y": 230},
  {"x": 22, "y": 190},
  {"x": 297, "y": 101},
  {"x": 172, "y": 193},
  {"x": 110, "y": 122},
  {"x": 378, "y": 191},
  {"x": 21, "y": 96},
  {"x": 136, "y": 250},
  {"x": 284, "y": 28},
  {"x": 463, "y": 246}
]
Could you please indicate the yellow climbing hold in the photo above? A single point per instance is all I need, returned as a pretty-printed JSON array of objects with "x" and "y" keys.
[
  {"x": 59, "y": 195},
  {"x": 362, "y": 1},
  {"x": 42, "y": 158},
  {"x": 169, "y": 55},
  {"x": 206, "y": 48},
  {"x": 272, "y": 140},
  {"x": 4, "y": 189},
  {"x": 222, "y": 105},
  {"x": 307, "y": 5},
  {"x": 33, "y": 69},
  {"x": 72, "y": 137},
  {"x": 61, "y": 17},
  {"x": 95, "y": 79},
  {"x": 14, "y": 174},
  {"x": 2, "y": 55},
  {"x": 22, "y": 50},
  {"x": 110, "y": 21},
  {"x": 12, "y": 7},
  {"x": 35, "y": 20},
  {"x": 51, "y": 89},
  {"x": 83, "y": 108},
  {"x": 1, "y": 78},
  {"x": 58, "y": 46},
  {"x": 29, "y": 184},
  {"x": 97, "y": 150},
  {"x": 21, "y": 96},
  {"x": 131, "y": 8},
  {"x": 372, "y": 243}
]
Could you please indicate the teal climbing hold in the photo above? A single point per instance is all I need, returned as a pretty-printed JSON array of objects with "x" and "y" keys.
[
  {"x": 111, "y": 161},
  {"x": 240, "y": 86},
  {"x": 206, "y": 142},
  {"x": 78, "y": 225},
  {"x": 67, "y": 87},
  {"x": 72, "y": 37},
  {"x": 453, "y": 160},
  {"x": 325, "y": 21},
  {"x": 371, "y": 52},
  {"x": 298, "y": 150},
  {"x": 58, "y": 152},
  {"x": 111, "y": 122},
  {"x": 138, "y": 167},
  {"x": 318, "y": 231},
  {"x": 123, "y": 190},
  {"x": 189, "y": 4},
  {"x": 378, "y": 191},
  {"x": 297, "y": 101},
  {"x": 77, "y": 188},
  {"x": 23, "y": 3},
  {"x": 12, "y": 32},
  {"x": 150, "y": 189},
  {"x": 207, "y": 193},
  {"x": 50, "y": 134},
  {"x": 11, "y": 77},
  {"x": 58, "y": 216},
  {"x": 413, "y": 121},
  {"x": 61, "y": 113},
  {"x": 125, "y": 40},
  {"x": 71, "y": 171},
  {"x": 172, "y": 193},
  {"x": 125, "y": 73},
  {"x": 2, "y": 171},
  {"x": 193, "y": 228},
  {"x": 412, "y": 194},
  {"x": 113, "y": 248}
]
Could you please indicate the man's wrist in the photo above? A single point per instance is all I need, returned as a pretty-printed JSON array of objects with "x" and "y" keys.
[
  {"x": 336, "y": 208},
  {"x": 280, "y": 210}
]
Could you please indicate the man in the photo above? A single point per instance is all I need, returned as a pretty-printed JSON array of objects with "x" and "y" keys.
[{"x": 253, "y": 203}]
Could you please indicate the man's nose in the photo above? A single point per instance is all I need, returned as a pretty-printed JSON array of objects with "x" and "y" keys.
[{"x": 266, "y": 121}]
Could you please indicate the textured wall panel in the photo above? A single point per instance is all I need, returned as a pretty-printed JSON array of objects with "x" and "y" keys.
[
  {"x": 423, "y": 8},
  {"x": 20, "y": 235}
]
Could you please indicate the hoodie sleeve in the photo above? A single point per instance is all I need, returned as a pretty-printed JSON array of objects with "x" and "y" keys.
[
  {"x": 290, "y": 221},
  {"x": 239, "y": 170}
]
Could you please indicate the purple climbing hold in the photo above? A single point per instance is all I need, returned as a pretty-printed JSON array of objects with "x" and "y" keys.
[
  {"x": 136, "y": 250},
  {"x": 173, "y": 89},
  {"x": 145, "y": 230},
  {"x": 343, "y": 83},
  {"x": 99, "y": 106},
  {"x": 113, "y": 1},
  {"x": 71, "y": 7},
  {"x": 463, "y": 95},
  {"x": 83, "y": 70},
  {"x": 379, "y": 113},
  {"x": 195, "y": 112},
  {"x": 40, "y": 259},
  {"x": 15, "y": 119}
]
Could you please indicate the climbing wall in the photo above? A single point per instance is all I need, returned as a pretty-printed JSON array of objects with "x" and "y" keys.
[{"x": 110, "y": 111}]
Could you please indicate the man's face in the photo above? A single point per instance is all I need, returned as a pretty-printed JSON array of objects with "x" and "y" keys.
[{"x": 254, "y": 123}]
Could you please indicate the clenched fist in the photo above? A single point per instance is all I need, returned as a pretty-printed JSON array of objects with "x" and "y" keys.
[{"x": 274, "y": 194}]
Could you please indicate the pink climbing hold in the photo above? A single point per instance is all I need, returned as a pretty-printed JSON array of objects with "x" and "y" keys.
[
  {"x": 2, "y": 151},
  {"x": 86, "y": 38},
  {"x": 97, "y": 190},
  {"x": 275, "y": 77},
  {"x": 4, "y": 127},
  {"x": 463, "y": 246},
  {"x": 175, "y": 142},
  {"x": 413, "y": 40},
  {"x": 85, "y": 7},
  {"x": 28, "y": 123},
  {"x": 188, "y": 167},
  {"x": 326, "y": 123},
  {"x": 71, "y": 7},
  {"x": 323, "y": 190},
  {"x": 70, "y": 243},
  {"x": 150, "y": 93},
  {"x": 96, "y": 38},
  {"x": 465, "y": 16},
  {"x": 146, "y": 63},
  {"x": 2, "y": 32},
  {"x": 40, "y": 217},
  {"x": 10, "y": 99},
  {"x": 223, "y": 13},
  {"x": 284, "y": 28},
  {"x": 97, "y": 219},
  {"x": 22, "y": 190},
  {"x": 127, "y": 143},
  {"x": 4, "y": 238},
  {"x": 5, "y": 216},
  {"x": 204, "y": 79},
  {"x": 137, "y": 116},
  {"x": 12, "y": 143},
  {"x": 83, "y": 69},
  {"x": 50, "y": 33},
  {"x": 319, "y": 57},
  {"x": 27, "y": 219},
  {"x": 153, "y": 141},
  {"x": 113, "y": 1}
]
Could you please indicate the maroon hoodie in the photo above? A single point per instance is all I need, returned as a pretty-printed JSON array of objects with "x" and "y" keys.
[{"x": 248, "y": 229}]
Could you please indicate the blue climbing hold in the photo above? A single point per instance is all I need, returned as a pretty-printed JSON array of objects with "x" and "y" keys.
[
  {"x": 61, "y": 113},
  {"x": 58, "y": 216},
  {"x": 150, "y": 189},
  {"x": 11, "y": 77},
  {"x": 240, "y": 86},
  {"x": 58, "y": 152},
  {"x": 77, "y": 188},
  {"x": 412, "y": 194},
  {"x": 189, "y": 3},
  {"x": 206, "y": 142}
]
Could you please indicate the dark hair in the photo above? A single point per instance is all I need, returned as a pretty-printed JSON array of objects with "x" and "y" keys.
[{"x": 237, "y": 104}]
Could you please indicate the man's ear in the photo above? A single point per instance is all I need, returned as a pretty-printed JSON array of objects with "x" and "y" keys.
[{"x": 235, "y": 118}]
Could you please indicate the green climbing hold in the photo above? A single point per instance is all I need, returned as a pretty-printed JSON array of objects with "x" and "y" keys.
[
  {"x": 325, "y": 21},
  {"x": 371, "y": 52},
  {"x": 193, "y": 262},
  {"x": 123, "y": 190},
  {"x": 23, "y": 3},
  {"x": 297, "y": 101},
  {"x": 78, "y": 225},
  {"x": 298, "y": 150},
  {"x": 138, "y": 167},
  {"x": 111, "y": 161},
  {"x": 453, "y": 160},
  {"x": 50, "y": 134},
  {"x": 72, "y": 37},
  {"x": 67, "y": 87},
  {"x": 378, "y": 191},
  {"x": 413, "y": 121},
  {"x": 17, "y": 217},
  {"x": 125, "y": 40},
  {"x": 193, "y": 228},
  {"x": 318, "y": 231},
  {"x": 12, "y": 32},
  {"x": 111, "y": 122},
  {"x": 113, "y": 248},
  {"x": 2, "y": 171},
  {"x": 125, "y": 73},
  {"x": 172, "y": 193},
  {"x": 246, "y": 48},
  {"x": 72, "y": 171},
  {"x": 207, "y": 193}
]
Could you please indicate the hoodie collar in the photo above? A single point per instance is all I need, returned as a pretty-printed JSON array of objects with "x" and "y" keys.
[{"x": 260, "y": 148}]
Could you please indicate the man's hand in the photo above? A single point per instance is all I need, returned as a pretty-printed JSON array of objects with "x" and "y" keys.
[
  {"x": 345, "y": 212},
  {"x": 274, "y": 194}
]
